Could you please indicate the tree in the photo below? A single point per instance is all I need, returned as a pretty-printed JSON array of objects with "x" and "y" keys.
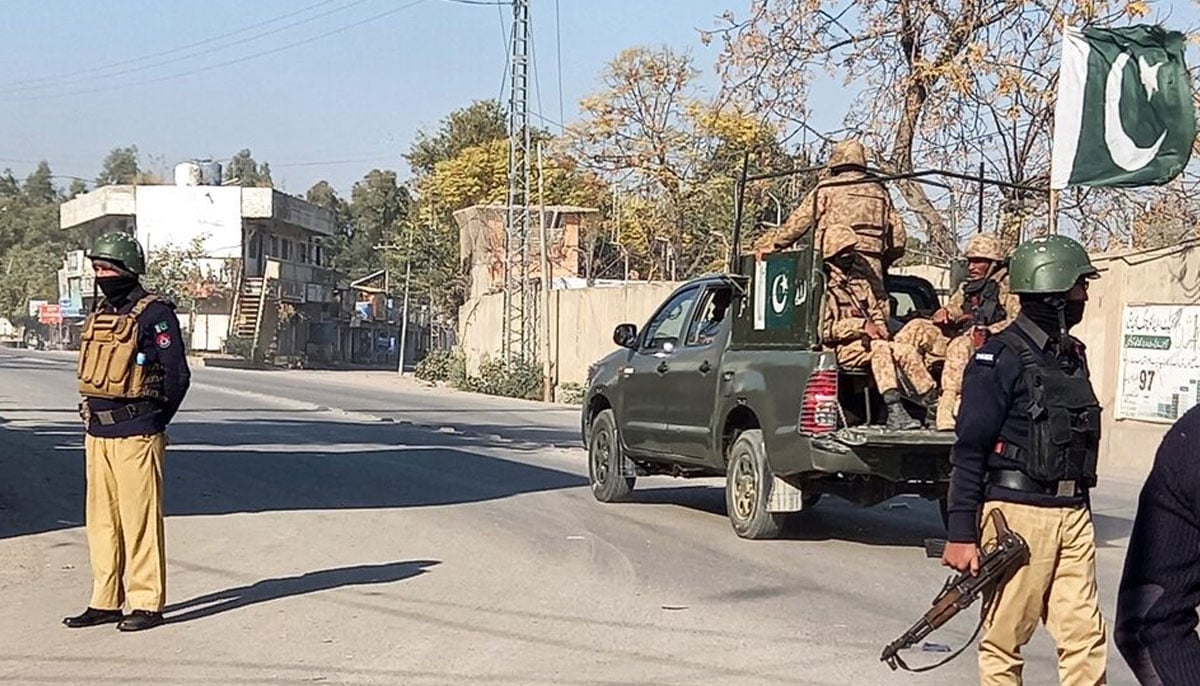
[
  {"x": 78, "y": 187},
  {"x": 39, "y": 186},
  {"x": 673, "y": 151},
  {"x": 324, "y": 195},
  {"x": 175, "y": 272},
  {"x": 939, "y": 84},
  {"x": 246, "y": 172},
  {"x": 479, "y": 123},
  {"x": 31, "y": 243},
  {"x": 120, "y": 166},
  {"x": 379, "y": 206}
]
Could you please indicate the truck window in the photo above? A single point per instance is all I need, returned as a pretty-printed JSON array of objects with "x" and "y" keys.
[
  {"x": 668, "y": 323},
  {"x": 712, "y": 316}
]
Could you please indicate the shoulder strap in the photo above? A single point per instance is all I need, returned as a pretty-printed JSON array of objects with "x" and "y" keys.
[
  {"x": 1018, "y": 345},
  {"x": 142, "y": 304}
]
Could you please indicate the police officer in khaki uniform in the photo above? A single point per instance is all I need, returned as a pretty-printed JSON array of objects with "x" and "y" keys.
[
  {"x": 1028, "y": 436},
  {"x": 982, "y": 305},
  {"x": 855, "y": 324},
  {"x": 133, "y": 375},
  {"x": 865, "y": 207}
]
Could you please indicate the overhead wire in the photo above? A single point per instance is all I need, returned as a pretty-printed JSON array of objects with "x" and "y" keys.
[
  {"x": 206, "y": 41},
  {"x": 226, "y": 63}
]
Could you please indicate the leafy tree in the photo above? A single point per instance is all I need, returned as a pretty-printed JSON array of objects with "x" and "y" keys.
[
  {"x": 175, "y": 272},
  {"x": 120, "y": 166},
  {"x": 247, "y": 172},
  {"x": 77, "y": 188},
  {"x": 379, "y": 206},
  {"x": 481, "y": 122},
  {"x": 39, "y": 187},
  {"x": 324, "y": 195}
]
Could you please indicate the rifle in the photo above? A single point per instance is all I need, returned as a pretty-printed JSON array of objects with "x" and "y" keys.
[{"x": 998, "y": 559}]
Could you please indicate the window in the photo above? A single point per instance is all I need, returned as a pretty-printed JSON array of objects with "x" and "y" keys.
[
  {"x": 318, "y": 256},
  {"x": 274, "y": 247},
  {"x": 253, "y": 246},
  {"x": 286, "y": 253},
  {"x": 667, "y": 325},
  {"x": 902, "y": 304},
  {"x": 712, "y": 316}
]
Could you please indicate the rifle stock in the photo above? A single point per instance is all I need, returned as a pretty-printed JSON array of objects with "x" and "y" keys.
[{"x": 1006, "y": 552}]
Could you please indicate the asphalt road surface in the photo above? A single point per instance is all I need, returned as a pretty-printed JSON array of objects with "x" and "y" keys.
[{"x": 354, "y": 528}]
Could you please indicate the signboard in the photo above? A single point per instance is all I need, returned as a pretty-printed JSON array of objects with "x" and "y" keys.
[
  {"x": 35, "y": 306},
  {"x": 50, "y": 314},
  {"x": 1159, "y": 362}
]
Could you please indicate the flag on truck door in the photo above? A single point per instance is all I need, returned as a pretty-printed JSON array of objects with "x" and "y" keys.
[
  {"x": 1124, "y": 114},
  {"x": 774, "y": 291}
]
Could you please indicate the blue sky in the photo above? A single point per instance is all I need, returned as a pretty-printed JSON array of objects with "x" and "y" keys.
[
  {"x": 331, "y": 108},
  {"x": 358, "y": 95}
]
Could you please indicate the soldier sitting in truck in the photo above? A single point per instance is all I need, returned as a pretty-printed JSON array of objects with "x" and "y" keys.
[
  {"x": 855, "y": 325},
  {"x": 982, "y": 305}
]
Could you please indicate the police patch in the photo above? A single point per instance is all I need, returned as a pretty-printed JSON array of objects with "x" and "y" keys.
[
  {"x": 987, "y": 359},
  {"x": 161, "y": 327},
  {"x": 163, "y": 340}
]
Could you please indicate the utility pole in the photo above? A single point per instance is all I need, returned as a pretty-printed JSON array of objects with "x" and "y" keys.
[
  {"x": 516, "y": 338},
  {"x": 547, "y": 369},
  {"x": 404, "y": 322}
]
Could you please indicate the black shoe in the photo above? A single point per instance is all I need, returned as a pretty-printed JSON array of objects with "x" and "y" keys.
[
  {"x": 140, "y": 620},
  {"x": 898, "y": 418},
  {"x": 92, "y": 617}
]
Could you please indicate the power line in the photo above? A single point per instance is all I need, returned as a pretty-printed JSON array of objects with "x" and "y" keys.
[
  {"x": 238, "y": 60},
  {"x": 319, "y": 163},
  {"x": 38, "y": 81}
]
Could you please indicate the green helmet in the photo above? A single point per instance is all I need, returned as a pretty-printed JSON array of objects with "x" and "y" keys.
[
  {"x": 119, "y": 248},
  {"x": 1048, "y": 264}
]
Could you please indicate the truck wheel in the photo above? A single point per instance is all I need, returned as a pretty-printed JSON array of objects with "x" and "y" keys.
[
  {"x": 604, "y": 460},
  {"x": 748, "y": 488}
]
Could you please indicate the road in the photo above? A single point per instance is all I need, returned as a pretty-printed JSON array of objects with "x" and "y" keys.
[{"x": 355, "y": 528}]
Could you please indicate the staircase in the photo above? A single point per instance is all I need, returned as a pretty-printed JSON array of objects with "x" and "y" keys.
[{"x": 247, "y": 317}]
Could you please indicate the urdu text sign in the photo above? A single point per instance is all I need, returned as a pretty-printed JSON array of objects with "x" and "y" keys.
[{"x": 1159, "y": 363}]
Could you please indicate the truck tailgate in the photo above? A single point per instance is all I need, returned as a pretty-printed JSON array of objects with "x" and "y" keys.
[{"x": 878, "y": 436}]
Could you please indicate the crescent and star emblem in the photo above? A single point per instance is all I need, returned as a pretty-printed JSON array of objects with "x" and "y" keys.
[
  {"x": 1124, "y": 152},
  {"x": 779, "y": 293}
]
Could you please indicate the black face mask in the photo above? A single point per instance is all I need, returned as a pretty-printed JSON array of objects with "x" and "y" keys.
[
  {"x": 1073, "y": 312},
  {"x": 116, "y": 289}
]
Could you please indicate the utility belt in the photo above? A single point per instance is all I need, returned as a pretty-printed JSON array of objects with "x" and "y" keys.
[
  {"x": 1015, "y": 480},
  {"x": 122, "y": 414}
]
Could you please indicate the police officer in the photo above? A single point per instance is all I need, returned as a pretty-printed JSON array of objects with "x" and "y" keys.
[
  {"x": 865, "y": 207},
  {"x": 133, "y": 375},
  {"x": 1028, "y": 437},
  {"x": 982, "y": 305}
]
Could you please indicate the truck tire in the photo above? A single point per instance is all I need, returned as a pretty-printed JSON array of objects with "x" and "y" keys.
[
  {"x": 604, "y": 460},
  {"x": 748, "y": 489}
]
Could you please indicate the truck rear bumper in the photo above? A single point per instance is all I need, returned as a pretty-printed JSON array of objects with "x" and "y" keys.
[{"x": 896, "y": 456}]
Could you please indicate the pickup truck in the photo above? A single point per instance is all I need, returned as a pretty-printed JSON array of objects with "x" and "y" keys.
[{"x": 750, "y": 394}]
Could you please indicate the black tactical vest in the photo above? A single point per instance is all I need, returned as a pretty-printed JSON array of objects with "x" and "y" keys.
[
  {"x": 1064, "y": 417},
  {"x": 982, "y": 301}
]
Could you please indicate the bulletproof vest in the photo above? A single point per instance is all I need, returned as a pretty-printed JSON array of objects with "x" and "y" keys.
[
  {"x": 110, "y": 365},
  {"x": 982, "y": 302},
  {"x": 862, "y": 207},
  {"x": 1064, "y": 416}
]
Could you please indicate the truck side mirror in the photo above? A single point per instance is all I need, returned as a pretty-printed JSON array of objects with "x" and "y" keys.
[{"x": 625, "y": 335}]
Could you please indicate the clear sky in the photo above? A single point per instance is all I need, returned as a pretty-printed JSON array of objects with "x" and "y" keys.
[{"x": 359, "y": 94}]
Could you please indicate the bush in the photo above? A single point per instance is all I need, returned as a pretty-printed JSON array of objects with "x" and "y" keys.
[
  {"x": 571, "y": 393},
  {"x": 242, "y": 347},
  {"x": 440, "y": 365},
  {"x": 511, "y": 379}
]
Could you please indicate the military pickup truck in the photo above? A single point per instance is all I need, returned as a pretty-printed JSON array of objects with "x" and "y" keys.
[{"x": 748, "y": 392}]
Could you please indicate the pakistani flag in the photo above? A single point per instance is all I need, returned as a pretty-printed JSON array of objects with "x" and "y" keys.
[{"x": 1124, "y": 115}]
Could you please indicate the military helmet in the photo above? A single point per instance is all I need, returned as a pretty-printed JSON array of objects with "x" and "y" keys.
[
  {"x": 985, "y": 246},
  {"x": 848, "y": 153},
  {"x": 1048, "y": 264},
  {"x": 838, "y": 239},
  {"x": 121, "y": 249}
]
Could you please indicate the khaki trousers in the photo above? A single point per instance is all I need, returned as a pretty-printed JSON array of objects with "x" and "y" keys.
[
  {"x": 125, "y": 522},
  {"x": 1056, "y": 587}
]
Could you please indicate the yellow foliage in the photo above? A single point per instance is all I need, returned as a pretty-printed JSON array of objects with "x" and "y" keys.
[{"x": 1137, "y": 8}]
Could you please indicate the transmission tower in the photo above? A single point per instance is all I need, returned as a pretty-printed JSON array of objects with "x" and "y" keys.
[{"x": 519, "y": 328}]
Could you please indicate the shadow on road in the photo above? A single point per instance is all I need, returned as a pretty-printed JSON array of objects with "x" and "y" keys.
[
  {"x": 256, "y": 465},
  {"x": 285, "y": 587}
]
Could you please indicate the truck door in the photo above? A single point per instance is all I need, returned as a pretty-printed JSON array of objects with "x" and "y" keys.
[
  {"x": 694, "y": 375},
  {"x": 641, "y": 414}
]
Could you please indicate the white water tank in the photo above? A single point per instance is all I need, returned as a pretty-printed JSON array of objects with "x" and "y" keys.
[
  {"x": 187, "y": 174},
  {"x": 210, "y": 173}
]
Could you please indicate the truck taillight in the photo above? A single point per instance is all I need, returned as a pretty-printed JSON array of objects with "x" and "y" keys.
[{"x": 819, "y": 409}]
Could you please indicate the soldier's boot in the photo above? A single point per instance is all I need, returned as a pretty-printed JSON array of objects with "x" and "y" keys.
[
  {"x": 929, "y": 400},
  {"x": 898, "y": 418},
  {"x": 947, "y": 410}
]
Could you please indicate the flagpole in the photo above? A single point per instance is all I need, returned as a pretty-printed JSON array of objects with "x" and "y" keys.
[{"x": 1053, "y": 224}]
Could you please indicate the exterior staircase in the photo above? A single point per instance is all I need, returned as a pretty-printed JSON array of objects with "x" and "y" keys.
[{"x": 248, "y": 312}]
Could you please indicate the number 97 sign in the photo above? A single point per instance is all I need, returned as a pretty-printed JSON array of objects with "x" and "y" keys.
[{"x": 1160, "y": 362}]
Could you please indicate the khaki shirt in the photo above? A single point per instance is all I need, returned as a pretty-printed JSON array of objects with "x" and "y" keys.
[{"x": 850, "y": 303}]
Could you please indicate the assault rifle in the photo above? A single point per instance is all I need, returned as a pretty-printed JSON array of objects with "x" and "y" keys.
[{"x": 999, "y": 558}]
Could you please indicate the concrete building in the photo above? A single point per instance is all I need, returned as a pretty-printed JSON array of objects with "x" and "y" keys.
[{"x": 266, "y": 288}]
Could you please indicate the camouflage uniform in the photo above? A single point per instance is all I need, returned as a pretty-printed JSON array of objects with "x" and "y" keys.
[
  {"x": 933, "y": 344},
  {"x": 864, "y": 207},
  {"x": 850, "y": 303}
]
